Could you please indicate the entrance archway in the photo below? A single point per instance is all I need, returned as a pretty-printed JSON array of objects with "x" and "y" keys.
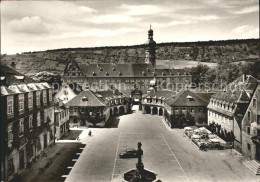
[
  {"x": 121, "y": 110},
  {"x": 111, "y": 112},
  {"x": 147, "y": 110},
  {"x": 160, "y": 111},
  {"x": 115, "y": 111},
  {"x": 155, "y": 110}
]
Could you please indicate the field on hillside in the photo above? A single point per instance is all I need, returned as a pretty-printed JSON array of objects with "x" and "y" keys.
[{"x": 179, "y": 64}]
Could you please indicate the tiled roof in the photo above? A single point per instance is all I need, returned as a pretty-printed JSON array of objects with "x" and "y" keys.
[
  {"x": 205, "y": 95},
  {"x": 126, "y": 70},
  {"x": 92, "y": 100},
  {"x": 9, "y": 76},
  {"x": 238, "y": 90},
  {"x": 180, "y": 100},
  {"x": 160, "y": 93},
  {"x": 6, "y": 91}
]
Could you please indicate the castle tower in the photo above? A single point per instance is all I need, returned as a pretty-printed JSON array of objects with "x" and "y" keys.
[{"x": 150, "y": 54}]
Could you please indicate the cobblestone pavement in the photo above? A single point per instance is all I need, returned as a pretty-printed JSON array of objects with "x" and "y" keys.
[{"x": 168, "y": 153}]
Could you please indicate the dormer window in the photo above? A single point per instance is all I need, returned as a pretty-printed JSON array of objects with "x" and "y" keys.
[
  {"x": 94, "y": 74},
  {"x": 154, "y": 74},
  {"x": 107, "y": 74},
  {"x": 120, "y": 74},
  {"x": 114, "y": 69},
  {"x": 172, "y": 74},
  {"x": 84, "y": 99},
  {"x": 178, "y": 74},
  {"x": 190, "y": 98},
  {"x": 100, "y": 69},
  {"x": 148, "y": 69},
  {"x": 163, "y": 74},
  {"x": 143, "y": 73},
  {"x": 98, "y": 65}
]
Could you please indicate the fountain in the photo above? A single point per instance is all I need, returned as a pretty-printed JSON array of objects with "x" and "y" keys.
[{"x": 140, "y": 174}]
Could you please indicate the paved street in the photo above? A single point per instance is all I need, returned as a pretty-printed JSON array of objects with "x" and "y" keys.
[{"x": 167, "y": 152}]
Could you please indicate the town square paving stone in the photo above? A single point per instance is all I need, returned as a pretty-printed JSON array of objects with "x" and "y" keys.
[{"x": 168, "y": 153}]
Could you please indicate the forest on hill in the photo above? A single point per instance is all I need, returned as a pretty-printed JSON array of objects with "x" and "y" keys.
[{"x": 52, "y": 62}]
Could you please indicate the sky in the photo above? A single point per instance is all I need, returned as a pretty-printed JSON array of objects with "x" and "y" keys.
[{"x": 42, "y": 25}]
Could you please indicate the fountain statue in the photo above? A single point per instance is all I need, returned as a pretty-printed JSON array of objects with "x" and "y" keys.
[{"x": 139, "y": 174}]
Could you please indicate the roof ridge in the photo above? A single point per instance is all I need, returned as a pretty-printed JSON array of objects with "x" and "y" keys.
[
  {"x": 200, "y": 97},
  {"x": 96, "y": 97}
]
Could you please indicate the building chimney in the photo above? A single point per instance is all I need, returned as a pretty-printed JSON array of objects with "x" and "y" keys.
[{"x": 244, "y": 78}]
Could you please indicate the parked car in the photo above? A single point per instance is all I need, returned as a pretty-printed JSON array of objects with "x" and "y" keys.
[{"x": 128, "y": 153}]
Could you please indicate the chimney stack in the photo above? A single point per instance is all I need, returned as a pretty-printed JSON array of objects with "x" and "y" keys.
[{"x": 244, "y": 78}]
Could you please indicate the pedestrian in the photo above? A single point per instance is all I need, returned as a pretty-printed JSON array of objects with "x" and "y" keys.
[{"x": 89, "y": 133}]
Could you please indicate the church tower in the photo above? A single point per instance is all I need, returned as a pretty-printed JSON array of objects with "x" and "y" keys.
[{"x": 150, "y": 53}]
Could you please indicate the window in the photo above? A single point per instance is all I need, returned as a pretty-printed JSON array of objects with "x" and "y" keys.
[
  {"x": 30, "y": 122},
  {"x": 30, "y": 100},
  {"x": 38, "y": 119},
  {"x": 10, "y": 133},
  {"x": 44, "y": 96},
  {"x": 38, "y": 98},
  {"x": 10, "y": 107},
  {"x": 21, "y": 104},
  {"x": 192, "y": 109},
  {"x": 200, "y": 109},
  {"x": 254, "y": 102},
  {"x": 10, "y": 166},
  {"x": 75, "y": 109},
  {"x": 45, "y": 116},
  {"x": 21, "y": 125},
  {"x": 50, "y": 95},
  {"x": 248, "y": 115},
  {"x": 248, "y": 146},
  {"x": 248, "y": 130},
  {"x": 50, "y": 113}
]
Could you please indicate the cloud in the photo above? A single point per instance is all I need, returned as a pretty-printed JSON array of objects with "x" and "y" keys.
[
  {"x": 29, "y": 25},
  {"x": 112, "y": 18},
  {"x": 246, "y": 10},
  {"x": 141, "y": 9},
  {"x": 87, "y": 9},
  {"x": 246, "y": 31}
]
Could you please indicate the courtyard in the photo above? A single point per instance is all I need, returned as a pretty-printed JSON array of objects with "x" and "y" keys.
[{"x": 167, "y": 152}]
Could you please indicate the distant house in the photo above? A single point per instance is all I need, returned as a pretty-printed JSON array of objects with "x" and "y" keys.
[
  {"x": 91, "y": 108},
  {"x": 154, "y": 102},
  {"x": 61, "y": 116},
  {"x": 27, "y": 121},
  {"x": 187, "y": 108},
  {"x": 65, "y": 94},
  {"x": 228, "y": 107}
]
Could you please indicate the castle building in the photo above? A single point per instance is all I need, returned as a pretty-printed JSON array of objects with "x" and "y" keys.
[
  {"x": 150, "y": 54},
  {"x": 27, "y": 121},
  {"x": 124, "y": 76}
]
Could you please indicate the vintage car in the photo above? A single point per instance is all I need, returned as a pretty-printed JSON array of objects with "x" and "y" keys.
[{"x": 128, "y": 153}]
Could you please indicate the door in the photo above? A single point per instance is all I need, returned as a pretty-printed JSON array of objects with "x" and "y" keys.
[
  {"x": 45, "y": 140},
  {"x": 257, "y": 151},
  {"x": 21, "y": 159}
]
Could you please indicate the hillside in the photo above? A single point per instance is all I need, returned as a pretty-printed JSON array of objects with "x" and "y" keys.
[{"x": 209, "y": 52}]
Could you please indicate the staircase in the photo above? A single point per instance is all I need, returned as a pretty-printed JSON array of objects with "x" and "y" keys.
[{"x": 253, "y": 165}]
